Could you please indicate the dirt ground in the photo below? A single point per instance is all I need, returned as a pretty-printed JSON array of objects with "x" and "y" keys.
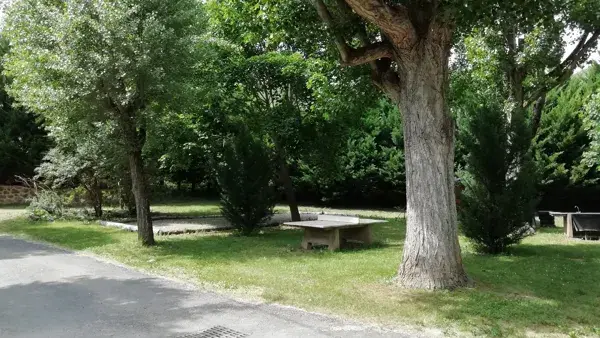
[{"x": 8, "y": 213}]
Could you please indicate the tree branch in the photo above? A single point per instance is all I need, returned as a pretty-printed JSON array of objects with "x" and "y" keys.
[
  {"x": 362, "y": 34},
  {"x": 377, "y": 54},
  {"x": 326, "y": 17},
  {"x": 394, "y": 21},
  {"x": 367, "y": 54},
  {"x": 353, "y": 57},
  {"x": 538, "y": 107},
  {"x": 576, "y": 56},
  {"x": 565, "y": 69}
]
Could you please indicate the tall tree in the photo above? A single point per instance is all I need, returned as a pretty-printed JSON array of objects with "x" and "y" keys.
[
  {"x": 516, "y": 60},
  {"x": 292, "y": 101},
  {"x": 592, "y": 125},
  {"x": 530, "y": 51},
  {"x": 406, "y": 45},
  {"x": 562, "y": 138},
  {"x": 84, "y": 155},
  {"x": 23, "y": 141},
  {"x": 274, "y": 86},
  {"x": 102, "y": 60},
  {"x": 178, "y": 147},
  {"x": 369, "y": 169}
]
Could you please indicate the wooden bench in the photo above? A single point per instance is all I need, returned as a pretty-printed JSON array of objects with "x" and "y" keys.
[{"x": 335, "y": 231}]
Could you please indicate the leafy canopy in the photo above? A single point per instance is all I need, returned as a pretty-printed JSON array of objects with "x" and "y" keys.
[
  {"x": 23, "y": 140},
  {"x": 89, "y": 58}
]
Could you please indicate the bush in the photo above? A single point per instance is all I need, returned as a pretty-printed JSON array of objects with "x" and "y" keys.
[
  {"x": 498, "y": 179},
  {"x": 46, "y": 205},
  {"x": 245, "y": 177}
]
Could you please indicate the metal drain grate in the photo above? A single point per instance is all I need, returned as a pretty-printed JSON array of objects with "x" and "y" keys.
[{"x": 217, "y": 332}]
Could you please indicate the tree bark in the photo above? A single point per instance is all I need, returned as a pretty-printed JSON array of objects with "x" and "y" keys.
[
  {"x": 538, "y": 108},
  {"x": 431, "y": 257},
  {"x": 142, "y": 202},
  {"x": 96, "y": 197},
  {"x": 135, "y": 138},
  {"x": 415, "y": 76},
  {"x": 127, "y": 196},
  {"x": 288, "y": 185}
]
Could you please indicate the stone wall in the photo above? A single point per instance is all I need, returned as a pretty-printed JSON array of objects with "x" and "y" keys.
[{"x": 14, "y": 194}]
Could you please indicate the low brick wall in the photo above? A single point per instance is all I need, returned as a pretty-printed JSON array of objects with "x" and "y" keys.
[{"x": 14, "y": 194}]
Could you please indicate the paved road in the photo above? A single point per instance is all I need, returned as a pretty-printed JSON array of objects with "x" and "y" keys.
[{"x": 47, "y": 292}]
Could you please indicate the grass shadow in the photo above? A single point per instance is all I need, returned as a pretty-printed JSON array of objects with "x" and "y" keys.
[
  {"x": 536, "y": 286},
  {"x": 188, "y": 208},
  {"x": 71, "y": 235},
  {"x": 271, "y": 242}
]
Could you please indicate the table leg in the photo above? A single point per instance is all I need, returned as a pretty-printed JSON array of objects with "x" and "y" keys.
[
  {"x": 313, "y": 237},
  {"x": 363, "y": 234},
  {"x": 334, "y": 240},
  {"x": 306, "y": 244}
]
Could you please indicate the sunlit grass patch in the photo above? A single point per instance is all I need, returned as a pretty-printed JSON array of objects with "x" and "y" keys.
[{"x": 547, "y": 286}]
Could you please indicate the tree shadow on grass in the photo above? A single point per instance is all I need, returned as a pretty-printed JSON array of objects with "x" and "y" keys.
[
  {"x": 553, "y": 230},
  {"x": 271, "y": 242},
  {"x": 537, "y": 287},
  {"x": 13, "y": 206},
  {"x": 70, "y": 235},
  {"x": 393, "y": 229},
  {"x": 192, "y": 208}
]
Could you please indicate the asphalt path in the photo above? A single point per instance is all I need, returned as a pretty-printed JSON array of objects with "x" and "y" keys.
[{"x": 49, "y": 292}]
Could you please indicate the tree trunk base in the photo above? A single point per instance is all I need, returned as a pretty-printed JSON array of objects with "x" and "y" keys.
[{"x": 427, "y": 282}]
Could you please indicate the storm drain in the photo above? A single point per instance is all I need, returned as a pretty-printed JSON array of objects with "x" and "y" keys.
[{"x": 217, "y": 332}]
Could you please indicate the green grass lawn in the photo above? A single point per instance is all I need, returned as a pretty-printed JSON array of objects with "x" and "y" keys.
[
  {"x": 547, "y": 286},
  {"x": 188, "y": 208},
  {"x": 210, "y": 208}
]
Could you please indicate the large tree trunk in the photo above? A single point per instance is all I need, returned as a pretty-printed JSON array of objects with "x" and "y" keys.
[
  {"x": 538, "y": 108},
  {"x": 286, "y": 181},
  {"x": 127, "y": 196},
  {"x": 410, "y": 64},
  {"x": 288, "y": 186},
  {"x": 96, "y": 197},
  {"x": 431, "y": 257},
  {"x": 135, "y": 139},
  {"x": 142, "y": 202}
]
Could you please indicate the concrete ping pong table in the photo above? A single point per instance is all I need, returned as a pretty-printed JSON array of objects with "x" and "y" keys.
[
  {"x": 335, "y": 231},
  {"x": 580, "y": 224}
]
